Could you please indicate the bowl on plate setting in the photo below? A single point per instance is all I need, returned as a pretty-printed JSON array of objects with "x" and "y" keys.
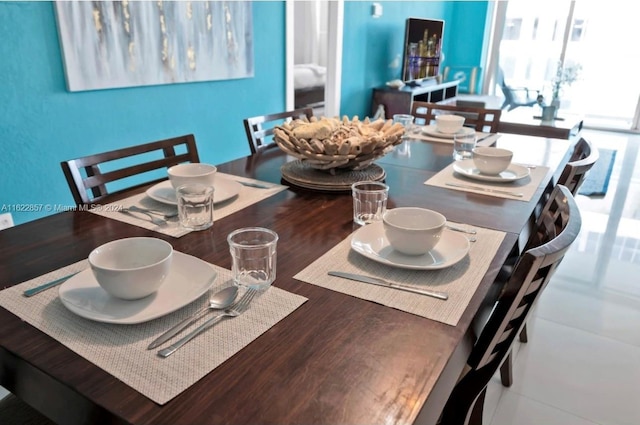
[
  {"x": 449, "y": 124},
  {"x": 491, "y": 161},
  {"x": 131, "y": 268},
  {"x": 195, "y": 172},
  {"x": 412, "y": 230}
]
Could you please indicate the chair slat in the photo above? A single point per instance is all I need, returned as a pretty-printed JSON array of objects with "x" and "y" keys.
[
  {"x": 257, "y": 135},
  {"x": 481, "y": 119},
  {"x": 93, "y": 187}
]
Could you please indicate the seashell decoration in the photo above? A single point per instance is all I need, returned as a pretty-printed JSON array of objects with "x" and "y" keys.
[{"x": 333, "y": 143}]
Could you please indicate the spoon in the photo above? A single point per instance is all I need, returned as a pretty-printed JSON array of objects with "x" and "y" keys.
[{"x": 220, "y": 300}]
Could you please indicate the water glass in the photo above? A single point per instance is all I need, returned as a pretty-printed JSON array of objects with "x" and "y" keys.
[
  {"x": 406, "y": 121},
  {"x": 253, "y": 256},
  {"x": 463, "y": 145},
  {"x": 369, "y": 201},
  {"x": 195, "y": 206}
]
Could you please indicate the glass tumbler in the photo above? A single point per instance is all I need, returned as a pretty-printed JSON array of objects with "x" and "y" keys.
[{"x": 253, "y": 256}]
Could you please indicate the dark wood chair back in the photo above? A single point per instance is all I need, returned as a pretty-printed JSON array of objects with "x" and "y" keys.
[
  {"x": 582, "y": 159},
  {"x": 481, "y": 119},
  {"x": 584, "y": 156},
  {"x": 557, "y": 228},
  {"x": 260, "y": 129},
  {"x": 89, "y": 176}
]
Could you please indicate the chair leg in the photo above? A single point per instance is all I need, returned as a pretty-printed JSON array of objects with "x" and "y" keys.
[
  {"x": 506, "y": 370},
  {"x": 478, "y": 409},
  {"x": 523, "y": 334},
  {"x": 467, "y": 398}
]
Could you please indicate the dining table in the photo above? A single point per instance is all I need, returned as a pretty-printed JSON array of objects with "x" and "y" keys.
[{"x": 335, "y": 358}]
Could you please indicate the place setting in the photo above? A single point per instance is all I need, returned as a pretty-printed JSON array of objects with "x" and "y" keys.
[
  {"x": 489, "y": 170},
  {"x": 193, "y": 196},
  {"x": 155, "y": 318},
  {"x": 449, "y": 127},
  {"x": 408, "y": 258}
]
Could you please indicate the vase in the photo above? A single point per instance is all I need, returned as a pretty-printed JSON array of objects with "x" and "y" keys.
[
  {"x": 549, "y": 113},
  {"x": 555, "y": 102}
]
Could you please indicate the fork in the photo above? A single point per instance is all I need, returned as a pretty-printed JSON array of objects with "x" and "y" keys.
[
  {"x": 149, "y": 210},
  {"x": 235, "y": 310},
  {"x": 153, "y": 219}
]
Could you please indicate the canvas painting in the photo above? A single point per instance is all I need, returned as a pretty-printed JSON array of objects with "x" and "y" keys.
[{"x": 109, "y": 44}]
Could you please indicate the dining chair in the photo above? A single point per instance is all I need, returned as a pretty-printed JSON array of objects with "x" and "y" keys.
[
  {"x": 481, "y": 119},
  {"x": 260, "y": 129},
  {"x": 557, "y": 228},
  {"x": 89, "y": 176},
  {"x": 583, "y": 158},
  {"x": 515, "y": 97}
]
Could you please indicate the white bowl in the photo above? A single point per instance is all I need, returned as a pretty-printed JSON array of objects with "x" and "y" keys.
[
  {"x": 449, "y": 124},
  {"x": 131, "y": 268},
  {"x": 412, "y": 230},
  {"x": 190, "y": 173},
  {"x": 490, "y": 160}
]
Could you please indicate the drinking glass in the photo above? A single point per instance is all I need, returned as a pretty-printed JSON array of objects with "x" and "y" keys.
[
  {"x": 253, "y": 256},
  {"x": 406, "y": 121},
  {"x": 369, "y": 201},
  {"x": 195, "y": 206},
  {"x": 463, "y": 144}
]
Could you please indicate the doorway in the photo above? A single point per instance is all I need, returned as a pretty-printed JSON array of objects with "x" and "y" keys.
[{"x": 314, "y": 25}]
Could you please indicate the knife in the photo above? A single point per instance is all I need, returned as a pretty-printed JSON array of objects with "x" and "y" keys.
[
  {"x": 485, "y": 138},
  {"x": 382, "y": 282},
  {"x": 256, "y": 185},
  {"x": 38, "y": 289},
  {"x": 485, "y": 189}
]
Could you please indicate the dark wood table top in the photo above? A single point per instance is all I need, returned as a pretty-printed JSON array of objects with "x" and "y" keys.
[{"x": 336, "y": 359}]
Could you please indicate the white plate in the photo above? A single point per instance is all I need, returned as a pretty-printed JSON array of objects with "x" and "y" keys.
[
  {"x": 431, "y": 130},
  {"x": 371, "y": 241},
  {"x": 467, "y": 168},
  {"x": 188, "y": 279},
  {"x": 224, "y": 189}
]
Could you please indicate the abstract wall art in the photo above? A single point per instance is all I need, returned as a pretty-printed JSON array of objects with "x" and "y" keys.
[{"x": 110, "y": 44}]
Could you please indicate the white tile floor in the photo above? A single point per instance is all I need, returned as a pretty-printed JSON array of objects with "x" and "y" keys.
[{"x": 581, "y": 365}]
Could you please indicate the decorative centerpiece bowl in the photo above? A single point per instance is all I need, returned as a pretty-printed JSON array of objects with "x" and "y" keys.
[{"x": 332, "y": 144}]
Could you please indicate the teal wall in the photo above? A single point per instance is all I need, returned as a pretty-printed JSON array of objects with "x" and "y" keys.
[{"x": 41, "y": 123}]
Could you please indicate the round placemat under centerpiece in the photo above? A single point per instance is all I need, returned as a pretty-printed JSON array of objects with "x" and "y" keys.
[{"x": 301, "y": 174}]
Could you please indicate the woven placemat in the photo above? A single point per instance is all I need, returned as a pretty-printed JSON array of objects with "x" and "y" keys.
[
  {"x": 246, "y": 197},
  {"x": 121, "y": 349},
  {"x": 483, "y": 139},
  {"x": 299, "y": 173},
  {"x": 459, "y": 281},
  {"x": 526, "y": 186}
]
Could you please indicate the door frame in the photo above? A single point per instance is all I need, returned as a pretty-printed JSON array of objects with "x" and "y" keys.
[{"x": 334, "y": 57}]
